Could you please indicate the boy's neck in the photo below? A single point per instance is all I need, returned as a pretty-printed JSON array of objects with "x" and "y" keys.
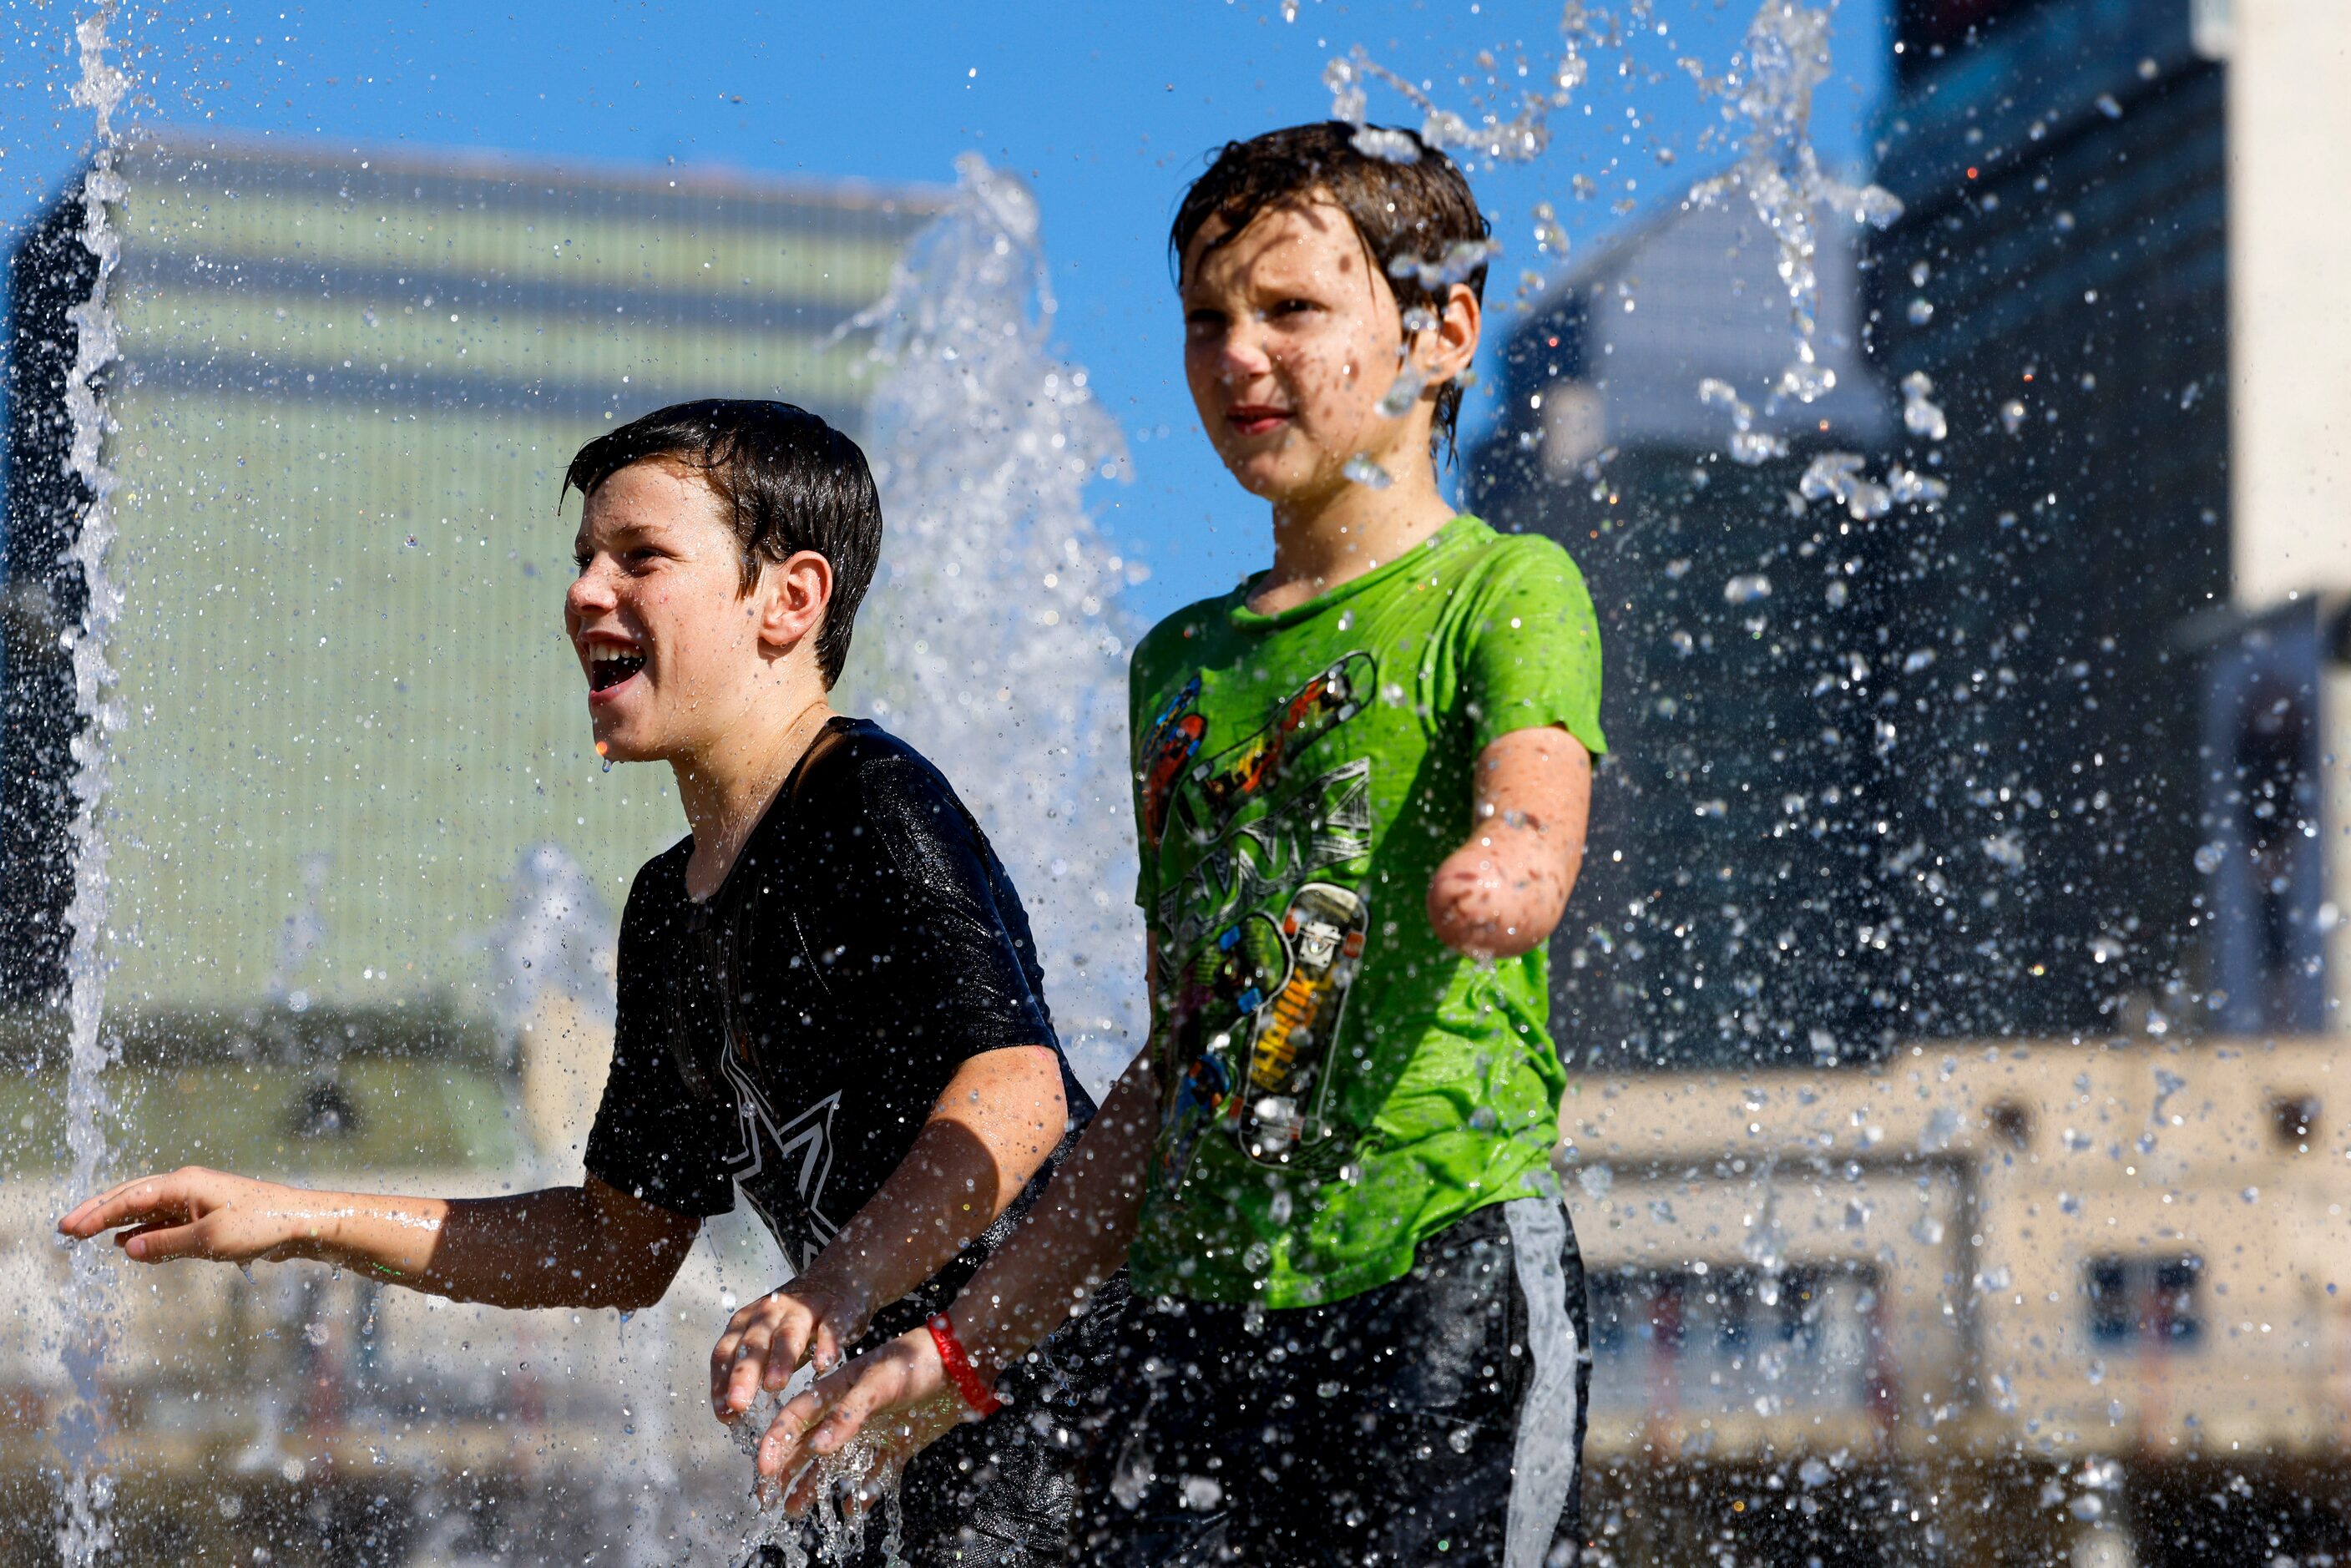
[
  {"x": 726, "y": 789},
  {"x": 1341, "y": 534}
]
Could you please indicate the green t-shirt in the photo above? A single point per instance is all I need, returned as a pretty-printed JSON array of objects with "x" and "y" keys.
[{"x": 1335, "y": 1084}]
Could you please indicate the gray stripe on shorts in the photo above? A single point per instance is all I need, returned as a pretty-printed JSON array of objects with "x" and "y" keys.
[{"x": 1543, "y": 1463}]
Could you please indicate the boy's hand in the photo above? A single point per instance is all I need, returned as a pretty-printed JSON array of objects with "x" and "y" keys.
[
  {"x": 897, "y": 1393},
  {"x": 765, "y": 1342},
  {"x": 199, "y": 1213}
]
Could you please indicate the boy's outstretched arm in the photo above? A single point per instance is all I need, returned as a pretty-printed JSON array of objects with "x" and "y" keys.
[
  {"x": 1501, "y": 892},
  {"x": 1073, "y": 1241},
  {"x": 997, "y": 1122},
  {"x": 586, "y": 1246}
]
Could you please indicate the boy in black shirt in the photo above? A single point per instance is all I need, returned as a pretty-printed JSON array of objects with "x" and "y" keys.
[{"x": 829, "y": 994}]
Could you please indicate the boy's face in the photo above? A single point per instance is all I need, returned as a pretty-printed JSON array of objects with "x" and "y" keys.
[
  {"x": 667, "y": 638},
  {"x": 1290, "y": 340}
]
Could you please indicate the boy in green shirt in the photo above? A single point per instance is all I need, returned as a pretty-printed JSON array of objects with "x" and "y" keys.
[{"x": 1361, "y": 780}]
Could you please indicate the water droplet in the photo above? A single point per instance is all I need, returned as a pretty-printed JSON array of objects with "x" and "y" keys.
[
  {"x": 1920, "y": 415},
  {"x": 1837, "y": 475},
  {"x": 1363, "y": 471},
  {"x": 1373, "y": 141},
  {"x": 1409, "y": 383},
  {"x": 1201, "y": 1493}
]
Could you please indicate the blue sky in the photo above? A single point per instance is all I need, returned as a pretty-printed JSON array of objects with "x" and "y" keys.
[{"x": 1107, "y": 108}]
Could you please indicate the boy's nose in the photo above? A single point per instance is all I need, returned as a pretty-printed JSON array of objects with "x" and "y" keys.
[
  {"x": 1241, "y": 357},
  {"x": 591, "y": 591}
]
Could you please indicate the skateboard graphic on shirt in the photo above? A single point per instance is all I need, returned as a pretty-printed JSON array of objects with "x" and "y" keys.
[
  {"x": 1205, "y": 795},
  {"x": 1253, "y": 1015},
  {"x": 1271, "y": 941}
]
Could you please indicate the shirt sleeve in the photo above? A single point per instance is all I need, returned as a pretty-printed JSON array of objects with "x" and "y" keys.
[
  {"x": 924, "y": 927},
  {"x": 1146, "y": 857},
  {"x": 655, "y": 1136},
  {"x": 1532, "y": 655}
]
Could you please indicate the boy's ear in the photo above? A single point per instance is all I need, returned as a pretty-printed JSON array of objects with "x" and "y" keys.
[
  {"x": 1446, "y": 351},
  {"x": 792, "y": 595}
]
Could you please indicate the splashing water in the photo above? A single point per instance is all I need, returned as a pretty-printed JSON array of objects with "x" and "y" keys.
[
  {"x": 1748, "y": 444},
  {"x": 984, "y": 444},
  {"x": 1517, "y": 139},
  {"x": 1787, "y": 56},
  {"x": 557, "y": 936},
  {"x": 84, "y": 1533},
  {"x": 1920, "y": 414},
  {"x": 1461, "y": 259},
  {"x": 1837, "y": 476},
  {"x": 848, "y": 1483}
]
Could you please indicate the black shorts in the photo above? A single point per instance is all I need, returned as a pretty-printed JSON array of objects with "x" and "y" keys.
[
  {"x": 1435, "y": 1419},
  {"x": 1005, "y": 1492}
]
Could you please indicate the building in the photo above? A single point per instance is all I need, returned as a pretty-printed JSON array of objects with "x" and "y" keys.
[
  {"x": 350, "y": 386},
  {"x": 2047, "y": 754},
  {"x": 2061, "y": 272},
  {"x": 1732, "y": 910},
  {"x": 1981, "y": 1302}
]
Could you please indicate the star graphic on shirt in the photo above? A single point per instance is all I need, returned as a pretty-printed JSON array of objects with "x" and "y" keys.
[{"x": 795, "y": 1154}]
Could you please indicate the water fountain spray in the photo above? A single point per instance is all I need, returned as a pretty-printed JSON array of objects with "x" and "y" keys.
[
  {"x": 87, "y": 1490},
  {"x": 1787, "y": 58},
  {"x": 983, "y": 445}
]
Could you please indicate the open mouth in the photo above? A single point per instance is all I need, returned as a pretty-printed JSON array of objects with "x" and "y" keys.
[
  {"x": 606, "y": 671},
  {"x": 1255, "y": 419}
]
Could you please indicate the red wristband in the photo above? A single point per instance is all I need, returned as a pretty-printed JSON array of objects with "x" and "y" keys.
[{"x": 958, "y": 1367}]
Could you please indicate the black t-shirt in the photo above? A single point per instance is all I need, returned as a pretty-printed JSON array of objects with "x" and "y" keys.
[{"x": 790, "y": 1035}]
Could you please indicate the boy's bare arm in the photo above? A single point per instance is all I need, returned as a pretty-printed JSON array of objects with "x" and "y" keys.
[
  {"x": 995, "y": 1125},
  {"x": 1502, "y": 894},
  {"x": 588, "y": 1246},
  {"x": 1075, "y": 1240}
]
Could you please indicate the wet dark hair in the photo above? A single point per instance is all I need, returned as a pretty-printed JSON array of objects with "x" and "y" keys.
[
  {"x": 790, "y": 482},
  {"x": 1420, "y": 209}
]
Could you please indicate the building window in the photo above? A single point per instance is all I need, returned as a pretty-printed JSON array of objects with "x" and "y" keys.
[
  {"x": 2293, "y": 1118},
  {"x": 2139, "y": 1302},
  {"x": 1703, "y": 1335}
]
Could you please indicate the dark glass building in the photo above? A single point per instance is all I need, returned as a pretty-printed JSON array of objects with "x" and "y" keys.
[{"x": 1942, "y": 778}]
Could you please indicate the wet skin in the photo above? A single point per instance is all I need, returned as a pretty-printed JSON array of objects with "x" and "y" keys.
[{"x": 1292, "y": 336}]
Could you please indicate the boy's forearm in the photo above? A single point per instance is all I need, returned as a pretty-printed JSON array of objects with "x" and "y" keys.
[
  {"x": 378, "y": 1234},
  {"x": 993, "y": 1129},
  {"x": 552, "y": 1247},
  {"x": 937, "y": 1201},
  {"x": 1075, "y": 1240}
]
